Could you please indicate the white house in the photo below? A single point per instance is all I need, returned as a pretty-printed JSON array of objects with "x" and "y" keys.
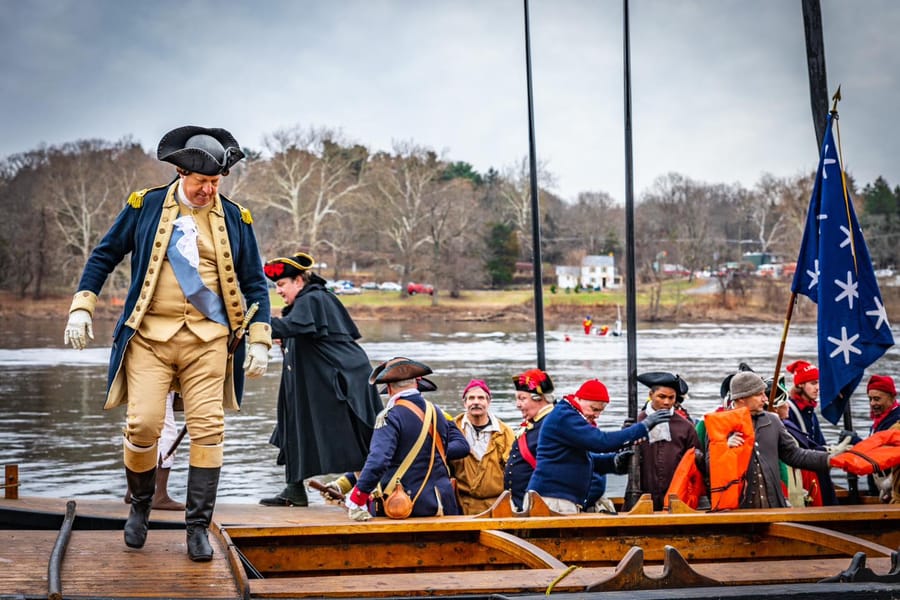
[{"x": 596, "y": 272}]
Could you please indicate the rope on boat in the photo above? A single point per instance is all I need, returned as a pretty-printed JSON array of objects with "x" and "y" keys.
[
  {"x": 54, "y": 583},
  {"x": 562, "y": 576}
]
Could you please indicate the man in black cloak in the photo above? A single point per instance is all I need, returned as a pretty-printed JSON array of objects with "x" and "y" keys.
[{"x": 326, "y": 405}]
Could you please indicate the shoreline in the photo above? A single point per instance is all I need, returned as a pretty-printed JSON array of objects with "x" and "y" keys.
[{"x": 702, "y": 309}]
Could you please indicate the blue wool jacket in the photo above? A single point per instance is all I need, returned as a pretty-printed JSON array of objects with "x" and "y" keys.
[
  {"x": 564, "y": 461},
  {"x": 396, "y": 431}
]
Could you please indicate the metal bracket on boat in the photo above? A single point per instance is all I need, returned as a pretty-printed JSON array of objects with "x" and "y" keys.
[
  {"x": 630, "y": 574},
  {"x": 859, "y": 572}
]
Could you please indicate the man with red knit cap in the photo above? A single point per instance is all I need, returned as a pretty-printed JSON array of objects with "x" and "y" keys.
[
  {"x": 570, "y": 446},
  {"x": 479, "y": 476},
  {"x": 803, "y": 400},
  {"x": 885, "y": 413}
]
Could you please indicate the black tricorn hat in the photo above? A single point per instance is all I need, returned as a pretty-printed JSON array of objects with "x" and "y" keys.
[
  {"x": 399, "y": 369},
  {"x": 290, "y": 266},
  {"x": 423, "y": 384},
  {"x": 200, "y": 150},
  {"x": 670, "y": 380}
]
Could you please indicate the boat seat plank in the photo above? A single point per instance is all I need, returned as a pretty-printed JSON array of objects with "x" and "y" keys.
[
  {"x": 835, "y": 540},
  {"x": 528, "y": 553}
]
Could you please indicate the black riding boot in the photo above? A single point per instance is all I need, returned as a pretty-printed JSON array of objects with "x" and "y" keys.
[
  {"x": 142, "y": 486},
  {"x": 202, "y": 486}
]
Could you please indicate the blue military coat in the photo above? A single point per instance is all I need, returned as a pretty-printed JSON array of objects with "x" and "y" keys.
[
  {"x": 143, "y": 229},
  {"x": 396, "y": 431}
]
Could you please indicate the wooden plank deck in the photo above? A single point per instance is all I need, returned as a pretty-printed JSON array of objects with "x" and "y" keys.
[
  {"x": 97, "y": 564},
  {"x": 295, "y": 549}
]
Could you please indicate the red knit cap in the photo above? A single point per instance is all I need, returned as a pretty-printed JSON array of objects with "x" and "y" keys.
[
  {"x": 803, "y": 372},
  {"x": 479, "y": 384},
  {"x": 592, "y": 390},
  {"x": 882, "y": 383}
]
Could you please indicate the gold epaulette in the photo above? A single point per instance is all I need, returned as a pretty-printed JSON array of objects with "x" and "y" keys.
[
  {"x": 136, "y": 199},
  {"x": 246, "y": 217}
]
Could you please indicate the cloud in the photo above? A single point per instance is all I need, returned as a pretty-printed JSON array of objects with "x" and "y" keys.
[{"x": 719, "y": 88}]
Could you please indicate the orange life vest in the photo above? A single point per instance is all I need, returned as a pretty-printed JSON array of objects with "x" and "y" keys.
[
  {"x": 687, "y": 482},
  {"x": 880, "y": 451},
  {"x": 727, "y": 466}
]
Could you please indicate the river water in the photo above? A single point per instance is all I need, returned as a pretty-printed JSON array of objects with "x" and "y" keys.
[{"x": 52, "y": 423}]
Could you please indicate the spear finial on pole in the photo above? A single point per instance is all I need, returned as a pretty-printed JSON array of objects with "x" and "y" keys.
[{"x": 835, "y": 99}]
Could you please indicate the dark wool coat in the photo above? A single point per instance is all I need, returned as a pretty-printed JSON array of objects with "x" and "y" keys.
[
  {"x": 518, "y": 471},
  {"x": 660, "y": 459},
  {"x": 326, "y": 406},
  {"x": 397, "y": 432},
  {"x": 564, "y": 454},
  {"x": 806, "y": 420},
  {"x": 774, "y": 443}
]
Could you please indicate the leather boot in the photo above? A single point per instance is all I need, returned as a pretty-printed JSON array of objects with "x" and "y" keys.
[
  {"x": 293, "y": 494},
  {"x": 142, "y": 486},
  {"x": 203, "y": 483},
  {"x": 161, "y": 499}
]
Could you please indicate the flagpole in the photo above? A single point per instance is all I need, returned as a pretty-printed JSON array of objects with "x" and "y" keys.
[{"x": 852, "y": 479}]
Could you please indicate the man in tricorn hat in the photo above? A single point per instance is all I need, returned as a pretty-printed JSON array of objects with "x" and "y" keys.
[
  {"x": 193, "y": 257},
  {"x": 400, "y": 451},
  {"x": 668, "y": 442},
  {"x": 326, "y": 405}
]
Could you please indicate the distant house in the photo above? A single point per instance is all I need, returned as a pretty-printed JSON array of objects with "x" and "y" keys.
[{"x": 596, "y": 272}]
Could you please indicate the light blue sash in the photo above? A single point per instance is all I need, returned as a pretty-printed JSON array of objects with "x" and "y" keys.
[{"x": 204, "y": 299}]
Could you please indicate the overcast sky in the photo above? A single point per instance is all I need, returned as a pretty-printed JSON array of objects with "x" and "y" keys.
[{"x": 720, "y": 91}]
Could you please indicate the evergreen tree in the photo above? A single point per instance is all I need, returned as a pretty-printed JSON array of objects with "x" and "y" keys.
[{"x": 502, "y": 249}]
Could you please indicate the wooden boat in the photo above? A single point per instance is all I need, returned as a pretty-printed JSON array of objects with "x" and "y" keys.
[{"x": 316, "y": 552}]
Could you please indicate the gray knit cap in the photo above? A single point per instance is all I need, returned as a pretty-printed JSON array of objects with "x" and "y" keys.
[{"x": 745, "y": 384}]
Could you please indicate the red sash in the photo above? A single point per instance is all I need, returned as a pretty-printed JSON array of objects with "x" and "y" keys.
[{"x": 526, "y": 452}]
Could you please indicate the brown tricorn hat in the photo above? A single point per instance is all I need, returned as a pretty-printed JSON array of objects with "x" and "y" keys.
[
  {"x": 208, "y": 151},
  {"x": 398, "y": 369}
]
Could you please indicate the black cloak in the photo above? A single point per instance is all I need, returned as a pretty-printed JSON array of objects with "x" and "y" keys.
[{"x": 326, "y": 406}]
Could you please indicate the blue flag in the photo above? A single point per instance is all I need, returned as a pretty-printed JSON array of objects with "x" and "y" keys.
[{"x": 834, "y": 270}]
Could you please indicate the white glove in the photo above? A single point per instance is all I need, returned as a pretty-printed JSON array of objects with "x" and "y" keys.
[
  {"x": 257, "y": 360},
  {"x": 839, "y": 447},
  {"x": 357, "y": 512},
  {"x": 78, "y": 329}
]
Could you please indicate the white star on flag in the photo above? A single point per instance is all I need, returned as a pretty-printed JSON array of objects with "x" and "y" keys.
[
  {"x": 879, "y": 312},
  {"x": 813, "y": 275},
  {"x": 844, "y": 345},
  {"x": 849, "y": 290}
]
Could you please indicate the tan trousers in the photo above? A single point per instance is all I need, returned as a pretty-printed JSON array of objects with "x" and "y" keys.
[{"x": 198, "y": 369}]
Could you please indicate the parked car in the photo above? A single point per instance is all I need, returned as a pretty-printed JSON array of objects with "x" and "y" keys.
[
  {"x": 390, "y": 286},
  {"x": 419, "y": 288},
  {"x": 347, "y": 290},
  {"x": 369, "y": 285}
]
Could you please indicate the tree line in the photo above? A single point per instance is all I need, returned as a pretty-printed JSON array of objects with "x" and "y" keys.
[{"x": 407, "y": 214}]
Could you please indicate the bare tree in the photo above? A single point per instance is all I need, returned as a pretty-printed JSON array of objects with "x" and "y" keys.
[
  {"x": 515, "y": 192},
  {"x": 451, "y": 215},
  {"x": 404, "y": 184},
  {"x": 310, "y": 174}
]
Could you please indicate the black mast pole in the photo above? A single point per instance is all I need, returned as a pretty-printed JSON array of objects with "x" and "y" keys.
[
  {"x": 535, "y": 209},
  {"x": 815, "y": 64},
  {"x": 818, "y": 98},
  {"x": 633, "y": 491}
]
